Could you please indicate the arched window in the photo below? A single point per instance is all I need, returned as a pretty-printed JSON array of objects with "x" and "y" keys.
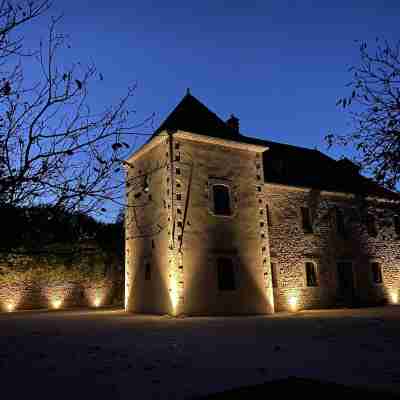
[{"x": 221, "y": 200}]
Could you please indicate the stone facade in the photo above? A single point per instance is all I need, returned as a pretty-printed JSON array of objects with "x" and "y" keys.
[
  {"x": 174, "y": 239},
  {"x": 325, "y": 246}
]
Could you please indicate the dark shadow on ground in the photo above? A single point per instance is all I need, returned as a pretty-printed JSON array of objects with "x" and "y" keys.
[{"x": 299, "y": 388}]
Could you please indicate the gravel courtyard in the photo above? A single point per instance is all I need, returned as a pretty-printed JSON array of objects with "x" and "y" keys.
[{"x": 110, "y": 354}]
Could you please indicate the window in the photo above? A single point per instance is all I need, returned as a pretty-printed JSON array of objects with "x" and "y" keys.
[
  {"x": 178, "y": 196},
  {"x": 221, "y": 200},
  {"x": 371, "y": 225},
  {"x": 178, "y": 171},
  {"x": 147, "y": 272},
  {"x": 396, "y": 223},
  {"x": 306, "y": 219},
  {"x": 273, "y": 276},
  {"x": 340, "y": 227},
  {"x": 376, "y": 273},
  {"x": 226, "y": 274},
  {"x": 311, "y": 274},
  {"x": 178, "y": 156}
]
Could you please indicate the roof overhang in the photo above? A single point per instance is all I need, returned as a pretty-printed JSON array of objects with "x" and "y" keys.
[{"x": 194, "y": 137}]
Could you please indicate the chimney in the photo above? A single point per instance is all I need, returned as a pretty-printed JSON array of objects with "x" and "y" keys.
[{"x": 233, "y": 123}]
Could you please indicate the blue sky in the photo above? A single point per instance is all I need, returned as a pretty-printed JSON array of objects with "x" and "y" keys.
[{"x": 279, "y": 66}]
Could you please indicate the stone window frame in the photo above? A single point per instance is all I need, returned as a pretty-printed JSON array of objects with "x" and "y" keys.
[
  {"x": 371, "y": 277},
  {"x": 224, "y": 182},
  {"x": 213, "y": 260},
  {"x": 317, "y": 272}
]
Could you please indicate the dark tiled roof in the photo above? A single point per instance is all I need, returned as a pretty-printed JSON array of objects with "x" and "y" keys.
[{"x": 283, "y": 163}]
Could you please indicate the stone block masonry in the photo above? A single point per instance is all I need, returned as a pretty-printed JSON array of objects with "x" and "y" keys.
[{"x": 59, "y": 278}]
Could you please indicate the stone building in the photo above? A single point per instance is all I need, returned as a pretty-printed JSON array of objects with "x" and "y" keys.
[{"x": 221, "y": 223}]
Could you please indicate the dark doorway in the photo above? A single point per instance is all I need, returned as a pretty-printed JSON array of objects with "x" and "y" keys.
[{"x": 345, "y": 284}]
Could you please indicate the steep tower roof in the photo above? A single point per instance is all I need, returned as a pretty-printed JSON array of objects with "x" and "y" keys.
[{"x": 191, "y": 115}]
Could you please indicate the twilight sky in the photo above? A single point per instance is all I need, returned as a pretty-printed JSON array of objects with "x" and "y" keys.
[{"x": 279, "y": 66}]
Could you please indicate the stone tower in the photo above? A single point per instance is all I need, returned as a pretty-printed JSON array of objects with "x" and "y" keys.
[{"x": 196, "y": 229}]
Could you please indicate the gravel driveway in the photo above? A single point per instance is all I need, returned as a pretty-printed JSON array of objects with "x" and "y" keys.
[{"x": 110, "y": 354}]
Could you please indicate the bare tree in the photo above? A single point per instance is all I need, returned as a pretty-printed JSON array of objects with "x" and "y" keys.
[
  {"x": 374, "y": 105},
  {"x": 54, "y": 147}
]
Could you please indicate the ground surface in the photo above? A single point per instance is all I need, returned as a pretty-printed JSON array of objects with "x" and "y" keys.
[{"x": 110, "y": 354}]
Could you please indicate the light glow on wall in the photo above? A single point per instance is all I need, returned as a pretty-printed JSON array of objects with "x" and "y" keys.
[
  {"x": 394, "y": 296},
  {"x": 96, "y": 296},
  {"x": 10, "y": 306},
  {"x": 174, "y": 295},
  {"x": 293, "y": 303},
  {"x": 56, "y": 303},
  {"x": 97, "y": 302}
]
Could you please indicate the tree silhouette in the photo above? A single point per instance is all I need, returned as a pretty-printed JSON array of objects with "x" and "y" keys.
[
  {"x": 54, "y": 148},
  {"x": 374, "y": 105}
]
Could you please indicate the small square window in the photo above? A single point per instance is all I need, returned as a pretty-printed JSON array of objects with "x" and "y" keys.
[
  {"x": 177, "y": 156},
  {"x": 178, "y": 171},
  {"x": 177, "y": 145},
  {"x": 258, "y": 188},
  {"x": 178, "y": 196},
  {"x": 179, "y": 224},
  {"x": 376, "y": 272},
  {"x": 178, "y": 211}
]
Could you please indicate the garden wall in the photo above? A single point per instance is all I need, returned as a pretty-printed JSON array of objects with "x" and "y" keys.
[{"x": 60, "y": 277}]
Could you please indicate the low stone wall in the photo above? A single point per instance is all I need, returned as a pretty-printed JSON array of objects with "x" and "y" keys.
[{"x": 56, "y": 279}]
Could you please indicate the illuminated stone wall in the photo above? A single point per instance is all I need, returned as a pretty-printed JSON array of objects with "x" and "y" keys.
[
  {"x": 172, "y": 231},
  {"x": 183, "y": 253},
  {"x": 59, "y": 279},
  {"x": 147, "y": 230},
  {"x": 291, "y": 248}
]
